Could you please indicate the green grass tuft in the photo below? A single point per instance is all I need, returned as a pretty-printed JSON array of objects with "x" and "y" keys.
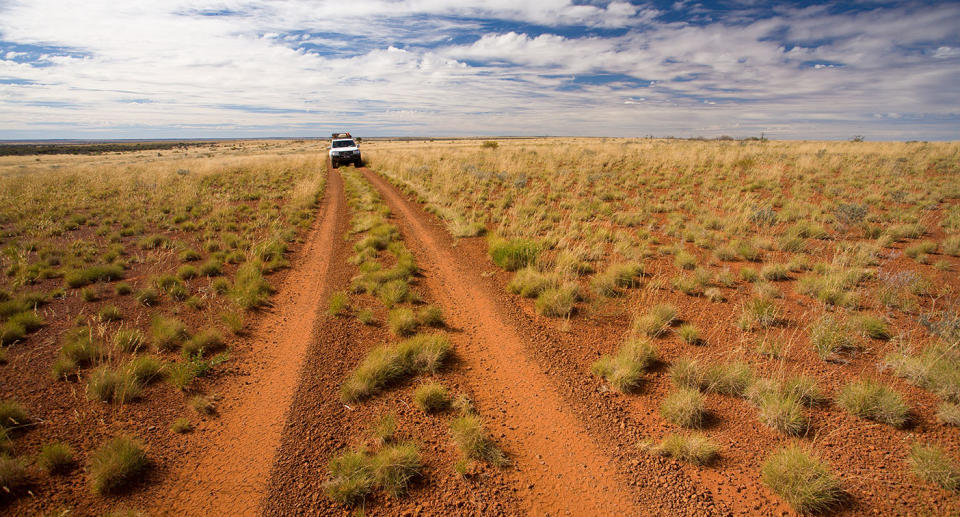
[
  {"x": 692, "y": 448},
  {"x": 803, "y": 481},
  {"x": 386, "y": 365},
  {"x": 684, "y": 407},
  {"x": 431, "y": 397},
  {"x": 932, "y": 464},
  {"x": 872, "y": 400},
  {"x": 624, "y": 370},
  {"x": 116, "y": 464}
]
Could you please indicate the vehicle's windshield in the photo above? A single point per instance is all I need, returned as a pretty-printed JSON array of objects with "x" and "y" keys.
[{"x": 343, "y": 143}]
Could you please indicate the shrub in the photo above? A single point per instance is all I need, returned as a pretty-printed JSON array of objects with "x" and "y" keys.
[
  {"x": 168, "y": 333},
  {"x": 529, "y": 283},
  {"x": 936, "y": 368},
  {"x": 782, "y": 412},
  {"x": 128, "y": 340},
  {"x": 920, "y": 249},
  {"x": 684, "y": 407},
  {"x": 657, "y": 321},
  {"x": 250, "y": 289},
  {"x": 11, "y": 332},
  {"x": 339, "y": 304},
  {"x": 385, "y": 365},
  {"x": 431, "y": 397},
  {"x": 625, "y": 369},
  {"x": 430, "y": 316},
  {"x": 147, "y": 296},
  {"x": 354, "y": 475},
  {"x": 802, "y": 480},
  {"x": 89, "y": 295},
  {"x": 203, "y": 405},
  {"x": 872, "y": 400},
  {"x": 116, "y": 464},
  {"x": 473, "y": 441},
  {"x": 951, "y": 245},
  {"x": 13, "y": 473},
  {"x": 685, "y": 260},
  {"x": 557, "y": 302},
  {"x": 110, "y": 313},
  {"x": 394, "y": 292},
  {"x": 829, "y": 336},
  {"x": 693, "y": 448},
  {"x": 187, "y": 272},
  {"x": 689, "y": 334},
  {"x": 189, "y": 255},
  {"x": 109, "y": 385},
  {"x": 12, "y": 415},
  {"x": 760, "y": 312},
  {"x": 234, "y": 321},
  {"x": 220, "y": 286},
  {"x": 212, "y": 267},
  {"x": 873, "y": 327},
  {"x": 145, "y": 369},
  {"x": 181, "y": 426},
  {"x": 203, "y": 342},
  {"x": 932, "y": 464},
  {"x": 351, "y": 478},
  {"x": 402, "y": 321},
  {"x": 949, "y": 413},
  {"x": 748, "y": 274},
  {"x": 728, "y": 378},
  {"x": 512, "y": 255},
  {"x": 365, "y": 316},
  {"x": 55, "y": 458},
  {"x": 616, "y": 276},
  {"x": 775, "y": 272},
  {"x": 87, "y": 276}
]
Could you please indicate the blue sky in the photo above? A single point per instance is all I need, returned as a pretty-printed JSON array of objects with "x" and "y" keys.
[{"x": 240, "y": 68}]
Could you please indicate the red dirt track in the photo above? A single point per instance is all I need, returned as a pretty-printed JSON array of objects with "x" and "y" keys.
[
  {"x": 229, "y": 474},
  {"x": 559, "y": 469}
]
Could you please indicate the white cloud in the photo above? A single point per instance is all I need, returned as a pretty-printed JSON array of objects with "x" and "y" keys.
[{"x": 390, "y": 67}]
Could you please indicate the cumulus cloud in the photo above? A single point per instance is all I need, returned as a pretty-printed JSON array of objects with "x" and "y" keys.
[{"x": 283, "y": 67}]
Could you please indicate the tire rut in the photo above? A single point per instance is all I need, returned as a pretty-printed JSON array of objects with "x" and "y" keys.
[
  {"x": 229, "y": 474},
  {"x": 559, "y": 468}
]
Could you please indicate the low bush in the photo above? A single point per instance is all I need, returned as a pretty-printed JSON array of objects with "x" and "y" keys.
[
  {"x": 762, "y": 312},
  {"x": 145, "y": 369},
  {"x": 110, "y": 313},
  {"x": 803, "y": 481},
  {"x": 933, "y": 465},
  {"x": 657, "y": 321},
  {"x": 354, "y": 475},
  {"x": 558, "y": 302},
  {"x": 250, "y": 289},
  {"x": 181, "y": 426},
  {"x": 474, "y": 442},
  {"x": 55, "y": 458},
  {"x": 110, "y": 385},
  {"x": 872, "y": 400},
  {"x": 402, "y": 321},
  {"x": 147, "y": 296},
  {"x": 949, "y": 413},
  {"x": 168, "y": 333},
  {"x": 689, "y": 334},
  {"x": 13, "y": 473},
  {"x": 935, "y": 368},
  {"x": 116, "y": 464},
  {"x": 624, "y": 370},
  {"x": 12, "y": 415},
  {"x": 431, "y": 397},
  {"x": 339, "y": 304},
  {"x": 830, "y": 336},
  {"x": 93, "y": 274},
  {"x": 692, "y": 448},
  {"x": 128, "y": 340},
  {"x": 514, "y": 254},
  {"x": 385, "y": 365},
  {"x": 203, "y": 342},
  {"x": 529, "y": 283},
  {"x": 684, "y": 407}
]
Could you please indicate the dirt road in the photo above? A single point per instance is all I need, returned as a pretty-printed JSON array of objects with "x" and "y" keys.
[{"x": 230, "y": 474}]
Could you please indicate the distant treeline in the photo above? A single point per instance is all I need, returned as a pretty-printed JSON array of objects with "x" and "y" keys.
[{"x": 91, "y": 148}]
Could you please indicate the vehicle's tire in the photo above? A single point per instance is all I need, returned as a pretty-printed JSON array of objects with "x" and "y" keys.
[
  {"x": 334, "y": 164},
  {"x": 358, "y": 163}
]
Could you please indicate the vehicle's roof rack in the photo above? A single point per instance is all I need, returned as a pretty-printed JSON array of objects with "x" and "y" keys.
[{"x": 341, "y": 135}]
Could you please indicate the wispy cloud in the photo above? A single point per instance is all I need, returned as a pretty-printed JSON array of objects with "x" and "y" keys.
[{"x": 282, "y": 67}]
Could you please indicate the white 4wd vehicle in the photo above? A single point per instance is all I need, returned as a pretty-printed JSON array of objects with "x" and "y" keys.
[{"x": 343, "y": 149}]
